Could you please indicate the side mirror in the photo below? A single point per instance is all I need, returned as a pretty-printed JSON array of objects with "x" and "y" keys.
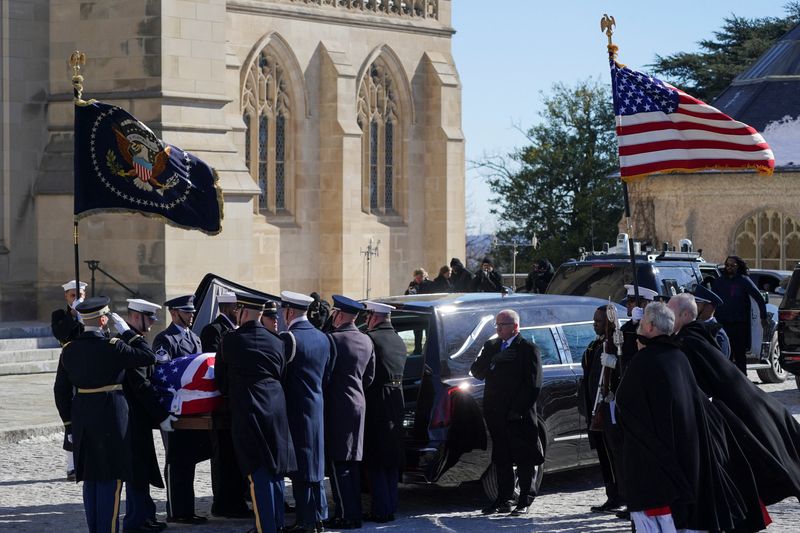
[{"x": 780, "y": 290}]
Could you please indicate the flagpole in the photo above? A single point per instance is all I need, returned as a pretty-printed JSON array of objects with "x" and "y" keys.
[
  {"x": 607, "y": 24},
  {"x": 76, "y": 61}
]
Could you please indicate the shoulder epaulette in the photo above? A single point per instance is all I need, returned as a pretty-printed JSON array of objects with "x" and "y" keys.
[{"x": 113, "y": 340}]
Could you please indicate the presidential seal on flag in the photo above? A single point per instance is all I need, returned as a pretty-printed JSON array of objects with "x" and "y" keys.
[{"x": 145, "y": 154}]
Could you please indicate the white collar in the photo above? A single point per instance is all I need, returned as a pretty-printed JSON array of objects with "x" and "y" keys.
[
  {"x": 182, "y": 329},
  {"x": 229, "y": 320},
  {"x": 298, "y": 319},
  {"x": 93, "y": 328}
]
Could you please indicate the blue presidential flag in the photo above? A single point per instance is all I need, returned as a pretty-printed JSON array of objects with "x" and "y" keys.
[{"x": 120, "y": 165}]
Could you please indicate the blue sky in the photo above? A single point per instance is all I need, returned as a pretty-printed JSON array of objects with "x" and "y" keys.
[{"x": 508, "y": 51}]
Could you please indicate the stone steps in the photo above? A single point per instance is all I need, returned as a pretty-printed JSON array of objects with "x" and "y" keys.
[{"x": 27, "y": 348}]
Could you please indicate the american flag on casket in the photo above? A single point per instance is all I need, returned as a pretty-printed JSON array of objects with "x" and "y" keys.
[{"x": 187, "y": 384}]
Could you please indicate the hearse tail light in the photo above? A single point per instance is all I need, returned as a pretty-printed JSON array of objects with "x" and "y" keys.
[{"x": 788, "y": 315}]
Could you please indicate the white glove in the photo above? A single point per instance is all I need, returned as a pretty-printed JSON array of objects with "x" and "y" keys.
[
  {"x": 166, "y": 424},
  {"x": 608, "y": 360},
  {"x": 637, "y": 313},
  {"x": 75, "y": 303},
  {"x": 119, "y": 324}
]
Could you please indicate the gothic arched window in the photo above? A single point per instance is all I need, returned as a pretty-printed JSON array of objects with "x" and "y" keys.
[
  {"x": 378, "y": 111},
  {"x": 266, "y": 112},
  {"x": 768, "y": 239}
]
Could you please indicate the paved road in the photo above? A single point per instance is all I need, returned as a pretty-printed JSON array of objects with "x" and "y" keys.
[{"x": 33, "y": 498}]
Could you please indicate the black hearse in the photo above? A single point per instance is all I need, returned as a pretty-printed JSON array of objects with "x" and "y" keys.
[{"x": 446, "y": 435}]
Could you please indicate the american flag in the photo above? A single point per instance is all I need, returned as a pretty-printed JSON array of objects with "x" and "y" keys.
[
  {"x": 187, "y": 384},
  {"x": 662, "y": 129}
]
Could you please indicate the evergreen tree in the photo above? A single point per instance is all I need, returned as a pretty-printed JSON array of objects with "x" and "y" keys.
[
  {"x": 736, "y": 46},
  {"x": 558, "y": 187}
]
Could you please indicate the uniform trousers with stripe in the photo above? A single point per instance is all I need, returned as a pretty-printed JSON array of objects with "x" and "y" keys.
[
  {"x": 266, "y": 491},
  {"x": 311, "y": 504},
  {"x": 383, "y": 483},
  {"x": 101, "y": 505},
  {"x": 139, "y": 506},
  {"x": 346, "y": 487}
]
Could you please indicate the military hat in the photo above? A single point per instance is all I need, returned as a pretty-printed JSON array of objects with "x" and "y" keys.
[
  {"x": 251, "y": 301},
  {"x": 702, "y": 294},
  {"x": 226, "y": 298},
  {"x": 94, "y": 307},
  {"x": 295, "y": 300},
  {"x": 347, "y": 305},
  {"x": 182, "y": 303},
  {"x": 271, "y": 308},
  {"x": 647, "y": 294},
  {"x": 376, "y": 307},
  {"x": 143, "y": 306},
  {"x": 70, "y": 285}
]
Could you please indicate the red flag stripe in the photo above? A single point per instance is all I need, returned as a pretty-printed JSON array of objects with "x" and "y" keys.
[
  {"x": 667, "y": 125},
  {"x": 689, "y": 144},
  {"x": 708, "y": 116},
  {"x": 691, "y": 164}
]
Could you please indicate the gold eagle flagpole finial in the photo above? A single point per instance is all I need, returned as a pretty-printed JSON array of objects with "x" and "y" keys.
[
  {"x": 77, "y": 60},
  {"x": 607, "y": 24}
]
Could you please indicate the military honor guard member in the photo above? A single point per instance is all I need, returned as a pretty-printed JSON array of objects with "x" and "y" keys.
[
  {"x": 95, "y": 366},
  {"x": 254, "y": 365},
  {"x": 345, "y": 406},
  {"x": 145, "y": 413},
  {"x": 512, "y": 369},
  {"x": 184, "y": 448},
  {"x": 635, "y": 309},
  {"x": 306, "y": 376},
  {"x": 66, "y": 326},
  {"x": 383, "y": 432},
  {"x": 227, "y": 482},
  {"x": 707, "y": 303},
  {"x": 269, "y": 318}
]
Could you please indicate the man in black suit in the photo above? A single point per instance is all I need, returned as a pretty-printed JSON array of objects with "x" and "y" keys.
[
  {"x": 227, "y": 482},
  {"x": 512, "y": 369},
  {"x": 185, "y": 448},
  {"x": 353, "y": 371}
]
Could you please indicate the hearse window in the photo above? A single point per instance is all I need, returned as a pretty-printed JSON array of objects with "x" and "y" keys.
[
  {"x": 682, "y": 276},
  {"x": 578, "y": 338},
  {"x": 543, "y": 338},
  {"x": 671, "y": 287},
  {"x": 414, "y": 340}
]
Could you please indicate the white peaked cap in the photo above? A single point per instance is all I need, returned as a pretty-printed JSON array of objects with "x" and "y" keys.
[
  {"x": 143, "y": 306},
  {"x": 296, "y": 300},
  {"x": 376, "y": 307},
  {"x": 226, "y": 298},
  {"x": 647, "y": 294},
  {"x": 70, "y": 285}
]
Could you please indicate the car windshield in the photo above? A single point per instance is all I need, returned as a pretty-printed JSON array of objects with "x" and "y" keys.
[{"x": 601, "y": 280}]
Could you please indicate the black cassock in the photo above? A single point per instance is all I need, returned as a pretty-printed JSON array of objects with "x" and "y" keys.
[
  {"x": 254, "y": 365},
  {"x": 767, "y": 432},
  {"x": 678, "y": 450},
  {"x": 383, "y": 431},
  {"x": 100, "y": 428}
]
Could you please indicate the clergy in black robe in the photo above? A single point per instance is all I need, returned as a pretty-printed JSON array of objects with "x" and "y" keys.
[
  {"x": 383, "y": 431},
  {"x": 766, "y": 430},
  {"x": 680, "y": 457},
  {"x": 254, "y": 364},
  {"x": 512, "y": 369}
]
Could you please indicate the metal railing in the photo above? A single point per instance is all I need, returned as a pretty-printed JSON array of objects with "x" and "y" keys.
[{"x": 94, "y": 264}]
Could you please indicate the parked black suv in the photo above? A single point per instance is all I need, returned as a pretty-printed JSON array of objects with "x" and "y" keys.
[{"x": 789, "y": 326}]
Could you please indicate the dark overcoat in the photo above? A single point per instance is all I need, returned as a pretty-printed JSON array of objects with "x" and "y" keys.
[
  {"x": 768, "y": 432},
  {"x": 251, "y": 373},
  {"x": 306, "y": 376},
  {"x": 513, "y": 381},
  {"x": 383, "y": 433},
  {"x": 100, "y": 432},
  {"x": 212, "y": 334},
  {"x": 353, "y": 370},
  {"x": 677, "y": 449}
]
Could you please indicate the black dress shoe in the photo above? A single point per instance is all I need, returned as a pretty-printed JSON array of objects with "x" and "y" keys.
[
  {"x": 155, "y": 525},
  {"x": 340, "y": 523},
  {"x": 193, "y": 520},
  {"x": 288, "y": 508},
  {"x": 318, "y": 527},
  {"x": 623, "y": 514},
  {"x": 299, "y": 528},
  {"x": 610, "y": 506},
  {"x": 241, "y": 513},
  {"x": 498, "y": 507},
  {"x": 379, "y": 518},
  {"x": 143, "y": 529},
  {"x": 520, "y": 510},
  {"x": 71, "y": 475}
]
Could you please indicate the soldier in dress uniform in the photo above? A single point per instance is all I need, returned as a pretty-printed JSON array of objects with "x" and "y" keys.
[
  {"x": 95, "y": 365},
  {"x": 254, "y": 364},
  {"x": 635, "y": 312},
  {"x": 306, "y": 376},
  {"x": 227, "y": 482},
  {"x": 66, "y": 326},
  {"x": 707, "y": 302},
  {"x": 353, "y": 370},
  {"x": 383, "y": 433},
  {"x": 269, "y": 318},
  {"x": 184, "y": 448},
  {"x": 145, "y": 413}
]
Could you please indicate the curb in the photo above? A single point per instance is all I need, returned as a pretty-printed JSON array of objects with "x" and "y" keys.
[{"x": 14, "y": 435}]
